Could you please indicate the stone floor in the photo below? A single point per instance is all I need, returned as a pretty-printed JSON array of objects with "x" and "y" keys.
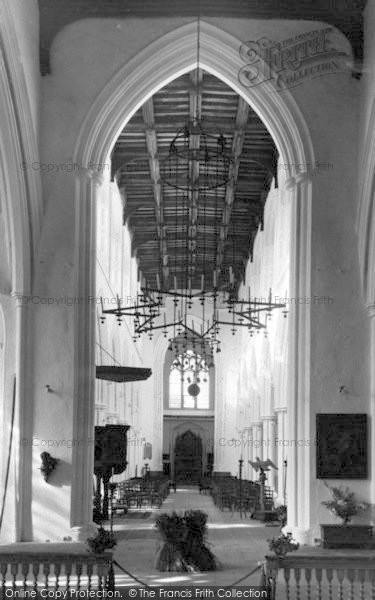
[{"x": 239, "y": 544}]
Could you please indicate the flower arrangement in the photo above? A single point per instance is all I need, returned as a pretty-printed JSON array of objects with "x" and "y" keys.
[
  {"x": 195, "y": 521},
  {"x": 196, "y": 551},
  {"x": 283, "y": 544},
  {"x": 172, "y": 531},
  {"x": 184, "y": 547},
  {"x": 103, "y": 540},
  {"x": 344, "y": 504}
]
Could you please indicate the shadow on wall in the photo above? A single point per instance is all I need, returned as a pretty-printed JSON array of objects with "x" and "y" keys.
[
  {"x": 60, "y": 473},
  {"x": 51, "y": 502}
]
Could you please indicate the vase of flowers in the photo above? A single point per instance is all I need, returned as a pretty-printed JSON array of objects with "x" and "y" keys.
[{"x": 344, "y": 505}]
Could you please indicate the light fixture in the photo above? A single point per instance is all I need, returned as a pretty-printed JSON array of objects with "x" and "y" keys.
[
  {"x": 197, "y": 160},
  {"x": 196, "y": 176}
]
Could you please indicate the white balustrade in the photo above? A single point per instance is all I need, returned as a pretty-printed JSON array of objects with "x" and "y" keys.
[
  {"x": 54, "y": 568},
  {"x": 320, "y": 575}
]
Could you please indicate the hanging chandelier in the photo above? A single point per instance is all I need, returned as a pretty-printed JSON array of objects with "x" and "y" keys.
[
  {"x": 198, "y": 160},
  {"x": 251, "y": 313},
  {"x": 196, "y": 176}
]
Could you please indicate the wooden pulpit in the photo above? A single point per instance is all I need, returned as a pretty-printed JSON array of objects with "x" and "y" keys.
[{"x": 110, "y": 459}]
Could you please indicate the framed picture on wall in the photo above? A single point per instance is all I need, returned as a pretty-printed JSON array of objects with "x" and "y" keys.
[{"x": 341, "y": 446}]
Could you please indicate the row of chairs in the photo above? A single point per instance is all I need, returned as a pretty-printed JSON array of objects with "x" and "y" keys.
[
  {"x": 229, "y": 494},
  {"x": 205, "y": 485},
  {"x": 140, "y": 493}
]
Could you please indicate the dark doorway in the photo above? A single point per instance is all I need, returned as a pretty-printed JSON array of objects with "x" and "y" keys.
[{"x": 188, "y": 458}]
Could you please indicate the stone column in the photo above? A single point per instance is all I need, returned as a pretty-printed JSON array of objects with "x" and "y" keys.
[
  {"x": 258, "y": 439},
  {"x": 250, "y": 443},
  {"x": 220, "y": 418},
  {"x": 269, "y": 450},
  {"x": 84, "y": 357},
  {"x": 371, "y": 312},
  {"x": 24, "y": 420},
  {"x": 298, "y": 388},
  {"x": 247, "y": 451},
  {"x": 280, "y": 452},
  {"x": 257, "y": 446},
  {"x": 158, "y": 371}
]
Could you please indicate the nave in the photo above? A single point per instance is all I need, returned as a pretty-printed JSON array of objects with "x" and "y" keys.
[
  {"x": 237, "y": 543},
  {"x": 173, "y": 175}
]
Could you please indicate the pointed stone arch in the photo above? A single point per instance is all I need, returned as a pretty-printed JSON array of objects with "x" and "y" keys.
[
  {"x": 2, "y": 394},
  {"x": 20, "y": 226},
  {"x": 151, "y": 69},
  {"x": 168, "y": 58}
]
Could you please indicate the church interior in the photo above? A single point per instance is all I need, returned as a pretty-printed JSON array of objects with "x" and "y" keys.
[{"x": 187, "y": 290}]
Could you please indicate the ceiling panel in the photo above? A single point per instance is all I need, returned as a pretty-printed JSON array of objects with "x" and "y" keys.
[{"x": 181, "y": 233}]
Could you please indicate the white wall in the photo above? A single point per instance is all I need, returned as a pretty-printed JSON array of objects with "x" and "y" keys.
[
  {"x": 252, "y": 368},
  {"x": 117, "y": 275}
]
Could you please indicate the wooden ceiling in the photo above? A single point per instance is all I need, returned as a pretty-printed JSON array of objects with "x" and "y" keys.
[
  {"x": 346, "y": 15},
  {"x": 183, "y": 234},
  {"x": 213, "y": 230}
]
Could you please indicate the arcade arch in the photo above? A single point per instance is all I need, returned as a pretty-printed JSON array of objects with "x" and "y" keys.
[{"x": 151, "y": 69}]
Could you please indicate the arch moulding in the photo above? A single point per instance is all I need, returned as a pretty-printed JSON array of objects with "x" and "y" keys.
[
  {"x": 151, "y": 69},
  {"x": 366, "y": 247},
  {"x": 164, "y": 60},
  {"x": 365, "y": 216}
]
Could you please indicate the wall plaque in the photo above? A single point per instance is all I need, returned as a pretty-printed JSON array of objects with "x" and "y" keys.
[{"x": 341, "y": 446}]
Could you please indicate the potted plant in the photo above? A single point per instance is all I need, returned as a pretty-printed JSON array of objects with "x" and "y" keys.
[
  {"x": 103, "y": 540},
  {"x": 344, "y": 505},
  {"x": 283, "y": 544}
]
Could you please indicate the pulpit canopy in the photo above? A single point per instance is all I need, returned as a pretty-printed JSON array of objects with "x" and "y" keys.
[{"x": 122, "y": 374}]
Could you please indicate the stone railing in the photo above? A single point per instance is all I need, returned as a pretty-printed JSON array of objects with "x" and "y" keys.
[
  {"x": 321, "y": 575},
  {"x": 69, "y": 566}
]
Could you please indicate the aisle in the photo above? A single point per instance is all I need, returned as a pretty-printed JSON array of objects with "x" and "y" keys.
[{"x": 238, "y": 543}]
